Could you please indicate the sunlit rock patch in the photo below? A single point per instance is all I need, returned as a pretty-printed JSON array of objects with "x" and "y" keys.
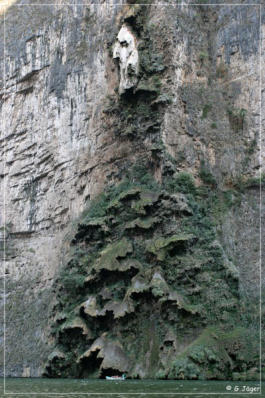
[{"x": 125, "y": 50}]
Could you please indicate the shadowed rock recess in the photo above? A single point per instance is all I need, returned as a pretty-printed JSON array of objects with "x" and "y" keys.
[{"x": 132, "y": 177}]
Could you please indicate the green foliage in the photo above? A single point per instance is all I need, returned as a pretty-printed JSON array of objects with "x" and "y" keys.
[
  {"x": 186, "y": 182},
  {"x": 216, "y": 353},
  {"x": 136, "y": 176},
  {"x": 236, "y": 118},
  {"x": 72, "y": 281},
  {"x": 182, "y": 182},
  {"x": 192, "y": 279},
  {"x": 161, "y": 374},
  {"x": 200, "y": 224},
  {"x": 203, "y": 56},
  {"x": 229, "y": 198},
  {"x": 252, "y": 147},
  {"x": 242, "y": 183},
  {"x": 198, "y": 354},
  {"x": 206, "y": 109},
  {"x": 139, "y": 174},
  {"x": 108, "y": 258},
  {"x": 242, "y": 112},
  {"x": 150, "y": 62},
  {"x": 98, "y": 206},
  {"x": 206, "y": 175},
  {"x": 160, "y": 246},
  {"x": 255, "y": 182},
  {"x": 184, "y": 369}
]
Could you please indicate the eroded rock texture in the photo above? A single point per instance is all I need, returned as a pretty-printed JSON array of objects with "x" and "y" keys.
[
  {"x": 142, "y": 272},
  {"x": 145, "y": 279}
]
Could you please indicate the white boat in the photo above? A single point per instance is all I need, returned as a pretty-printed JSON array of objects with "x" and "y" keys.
[{"x": 123, "y": 377}]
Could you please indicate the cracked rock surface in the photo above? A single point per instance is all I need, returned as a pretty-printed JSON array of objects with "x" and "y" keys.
[{"x": 74, "y": 121}]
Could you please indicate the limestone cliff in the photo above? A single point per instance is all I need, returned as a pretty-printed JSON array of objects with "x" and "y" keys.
[{"x": 131, "y": 188}]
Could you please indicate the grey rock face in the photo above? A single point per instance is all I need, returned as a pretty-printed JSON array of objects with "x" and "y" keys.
[
  {"x": 57, "y": 78},
  {"x": 57, "y": 151}
]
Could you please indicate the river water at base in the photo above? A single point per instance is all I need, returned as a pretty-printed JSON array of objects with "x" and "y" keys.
[{"x": 71, "y": 388}]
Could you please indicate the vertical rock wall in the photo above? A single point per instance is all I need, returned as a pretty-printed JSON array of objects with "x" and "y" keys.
[
  {"x": 55, "y": 151},
  {"x": 65, "y": 134}
]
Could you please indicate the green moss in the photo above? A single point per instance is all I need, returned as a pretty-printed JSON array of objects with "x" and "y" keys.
[
  {"x": 152, "y": 86},
  {"x": 210, "y": 355},
  {"x": 129, "y": 193},
  {"x": 206, "y": 175},
  {"x": 183, "y": 369},
  {"x": 206, "y": 109},
  {"x": 236, "y": 118},
  {"x": 203, "y": 56},
  {"x": 242, "y": 183},
  {"x": 128, "y": 267},
  {"x": 73, "y": 281},
  {"x": 147, "y": 254},
  {"x": 147, "y": 199},
  {"x": 160, "y": 246},
  {"x": 252, "y": 147},
  {"x": 150, "y": 62},
  {"x": 109, "y": 256},
  {"x": 161, "y": 374},
  {"x": 142, "y": 223},
  {"x": 182, "y": 182},
  {"x": 255, "y": 182}
]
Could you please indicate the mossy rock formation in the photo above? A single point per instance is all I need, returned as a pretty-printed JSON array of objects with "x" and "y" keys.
[{"x": 147, "y": 290}]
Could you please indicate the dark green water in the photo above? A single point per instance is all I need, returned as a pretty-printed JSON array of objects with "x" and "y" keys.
[{"x": 44, "y": 388}]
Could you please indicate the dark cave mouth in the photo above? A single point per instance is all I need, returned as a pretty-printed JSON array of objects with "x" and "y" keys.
[{"x": 110, "y": 372}]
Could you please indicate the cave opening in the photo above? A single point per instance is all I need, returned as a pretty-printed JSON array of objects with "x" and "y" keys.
[
  {"x": 110, "y": 372},
  {"x": 90, "y": 366},
  {"x": 68, "y": 336},
  {"x": 177, "y": 250}
]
